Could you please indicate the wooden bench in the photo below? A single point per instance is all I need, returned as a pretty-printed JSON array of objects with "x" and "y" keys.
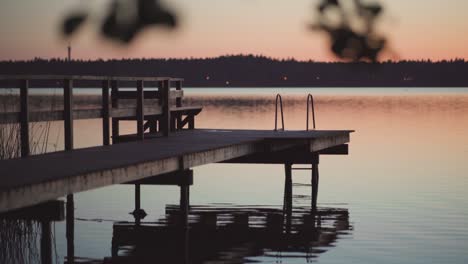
[{"x": 178, "y": 117}]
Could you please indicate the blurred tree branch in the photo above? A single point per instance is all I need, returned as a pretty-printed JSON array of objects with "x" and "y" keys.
[{"x": 126, "y": 18}]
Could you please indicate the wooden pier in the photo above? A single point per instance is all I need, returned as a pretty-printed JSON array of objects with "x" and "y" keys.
[{"x": 166, "y": 141}]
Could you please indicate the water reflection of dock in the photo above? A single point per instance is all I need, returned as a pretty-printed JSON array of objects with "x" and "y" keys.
[
  {"x": 229, "y": 234},
  {"x": 164, "y": 149}
]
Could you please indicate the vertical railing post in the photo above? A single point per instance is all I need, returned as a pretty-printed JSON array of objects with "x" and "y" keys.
[
  {"x": 24, "y": 117},
  {"x": 68, "y": 113},
  {"x": 165, "y": 105},
  {"x": 115, "y": 104},
  {"x": 105, "y": 113},
  {"x": 178, "y": 104},
  {"x": 68, "y": 123},
  {"x": 140, "y": 111}
]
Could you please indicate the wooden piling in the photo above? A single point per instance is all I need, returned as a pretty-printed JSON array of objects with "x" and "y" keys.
[
  {"x": 136, "y": 213},
  {"x": 184, "y": 204},
  {"x": 315, "y": 181},
  {"x": 70, "y": 229},
  {"x": 287, "y": 206},
  {"x": 105, "y": 113},
  {"x": 46, "y": 242},
  {"x": 24, "y": 117}
]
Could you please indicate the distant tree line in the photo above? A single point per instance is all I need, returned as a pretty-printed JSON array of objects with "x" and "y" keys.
[{"x": 260, "y": 71}]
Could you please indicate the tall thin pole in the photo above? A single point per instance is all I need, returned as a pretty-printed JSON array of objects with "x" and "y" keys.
[{"x": 69, "y": 52}]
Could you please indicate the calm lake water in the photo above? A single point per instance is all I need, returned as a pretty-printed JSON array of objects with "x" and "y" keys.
[{"x": 400, "y": 196}]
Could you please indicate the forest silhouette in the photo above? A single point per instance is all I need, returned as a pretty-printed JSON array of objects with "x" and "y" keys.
[{"x": 260, "y": 71}]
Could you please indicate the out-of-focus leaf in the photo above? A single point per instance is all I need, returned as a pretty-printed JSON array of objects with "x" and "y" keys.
[
  {"x": 72, "y": 23},
  {"x": 327, "y": 3},
  {"x": 372, "y": 9},
  {"x": 150, "y": 12},
  {"x": 346, "y": 42}
]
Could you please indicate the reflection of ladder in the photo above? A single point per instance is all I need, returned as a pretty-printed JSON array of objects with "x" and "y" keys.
[
  {"x": 314, "y": 179},
  {"x": 280, "y": 101},
  {"x": 288, "y": 185}
]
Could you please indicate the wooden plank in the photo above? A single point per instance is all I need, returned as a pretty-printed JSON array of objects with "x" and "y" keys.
[
  {"x": 84, "y": 78},
  {"x": 328, "y": 142},
  {"x": 105, "y": 113},
  {"x": 58, "y": 115},
  {"x": 24, "y": 118},
  {"x": 68, "y": 113},
  {"x": 47, "y": 211},
  {"x": 150, "y": 94},
  {"x": 140, "y": 111},
  {"x": 296, "y": 155},
  {"x": 128, "y": 113},
  {"x": 179, "y": 177}
]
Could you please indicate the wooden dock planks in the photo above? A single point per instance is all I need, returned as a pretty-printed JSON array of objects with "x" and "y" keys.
[{"x": 34, "y": 179}]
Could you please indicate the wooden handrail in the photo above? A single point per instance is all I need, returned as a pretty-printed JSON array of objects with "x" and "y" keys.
[
  {"x": 310, "y": 102},
  {"x": 85, "y": 78}
]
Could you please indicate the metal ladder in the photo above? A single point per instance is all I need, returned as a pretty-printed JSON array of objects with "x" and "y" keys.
[
  {"x": 280, "y": 100},
  {"x": 310, "y": 104}
]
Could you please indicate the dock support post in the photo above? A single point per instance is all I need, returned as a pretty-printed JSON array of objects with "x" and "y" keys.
[
  {"x": 24, "y": 125},
  {"x": 105, "y": 113},
  {"x": 70, "y": 229},
  {"x": 46, "y": 242},
  {"x": 287, "y": 206},
  {"x": 184, "y": 215},
  {"x": 140, "y": 111},
  {"x": 115, "y": 104},
  {"x": 137, "y": 211},
  {"x": 184, "y": 203},
  {"x": 315, "y": 181},
  {"x": 165, "y": 121}
]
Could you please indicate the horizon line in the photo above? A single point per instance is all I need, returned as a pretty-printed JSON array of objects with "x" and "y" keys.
[{"x": 427, "y": 60}]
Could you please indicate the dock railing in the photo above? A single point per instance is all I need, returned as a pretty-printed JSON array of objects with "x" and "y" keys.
[{"x": 169, "y": 118}]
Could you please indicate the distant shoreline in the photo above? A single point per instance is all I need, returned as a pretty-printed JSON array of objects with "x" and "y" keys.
[{"x": 257, "y": 71}]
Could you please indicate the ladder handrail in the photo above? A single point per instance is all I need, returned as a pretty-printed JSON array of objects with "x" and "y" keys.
[
  {"x": 278, "y": 98},
  {"x": 310, "y": 102}
]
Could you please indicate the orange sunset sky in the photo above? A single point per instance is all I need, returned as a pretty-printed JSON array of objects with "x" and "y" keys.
[{"x": 416, "y": 29}]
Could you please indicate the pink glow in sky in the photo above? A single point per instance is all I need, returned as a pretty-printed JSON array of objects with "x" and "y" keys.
[{"x": 419, "y": 29}]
